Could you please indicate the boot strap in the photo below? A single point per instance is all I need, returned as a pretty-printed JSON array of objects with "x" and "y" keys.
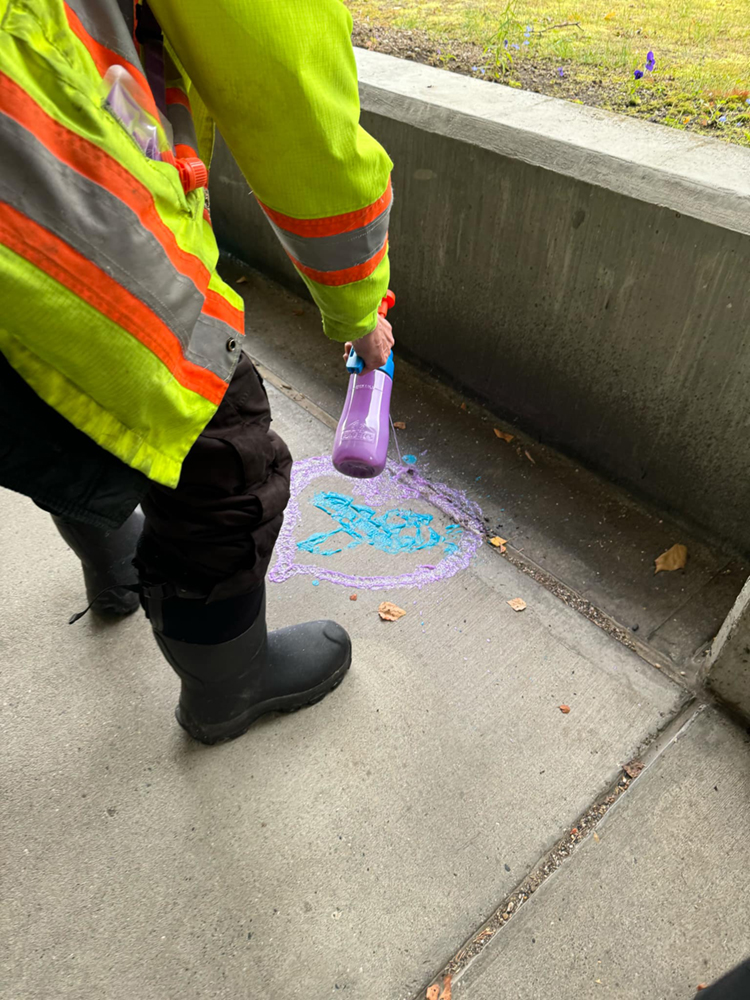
[
  {"x": 134, "y": 588},
  {"x": 152, "y": 597}
]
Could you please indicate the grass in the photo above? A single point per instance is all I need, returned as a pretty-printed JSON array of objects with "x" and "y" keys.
[{"x": 701, "y": 81}]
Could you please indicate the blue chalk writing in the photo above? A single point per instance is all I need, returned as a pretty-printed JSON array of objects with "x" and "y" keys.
[{"x": 395, "y": 531}]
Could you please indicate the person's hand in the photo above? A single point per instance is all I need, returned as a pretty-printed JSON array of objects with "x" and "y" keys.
[{"x": 375, "y": 347}]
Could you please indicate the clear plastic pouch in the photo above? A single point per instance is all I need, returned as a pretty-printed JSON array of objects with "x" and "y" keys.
[{"x": 123, "y": 97}]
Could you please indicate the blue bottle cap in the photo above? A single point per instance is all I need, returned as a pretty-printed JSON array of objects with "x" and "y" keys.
[{"x": 355, "y": 365}]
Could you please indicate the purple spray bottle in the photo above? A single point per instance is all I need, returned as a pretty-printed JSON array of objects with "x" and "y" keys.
[{"x": 361, "y": 443}]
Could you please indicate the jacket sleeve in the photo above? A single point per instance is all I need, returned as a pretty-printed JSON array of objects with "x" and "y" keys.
[{"x": 279, "y": 78}]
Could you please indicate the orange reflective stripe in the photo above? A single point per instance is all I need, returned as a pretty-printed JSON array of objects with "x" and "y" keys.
[
  {"x": 177, "y": 96},
  {"x": 104, "y": 58},
  {"x": 217, "y": 306},
  {"x": 94, "y": 163},
  {"x": 333, "y": 225},
  {"x": 347, "y": 275},
  {"x": 93, "y": 285}
]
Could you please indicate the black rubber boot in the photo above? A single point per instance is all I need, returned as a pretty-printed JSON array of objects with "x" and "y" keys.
[
  {"x": 228, "y": 685},
  {"x": 107, "y": 560}
]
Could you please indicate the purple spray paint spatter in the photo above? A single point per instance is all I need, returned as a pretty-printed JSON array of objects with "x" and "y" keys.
[{"x": 396, "y": 487}]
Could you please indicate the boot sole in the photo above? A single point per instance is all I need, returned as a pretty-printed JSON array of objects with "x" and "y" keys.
[{"x": 221, "y": 732}]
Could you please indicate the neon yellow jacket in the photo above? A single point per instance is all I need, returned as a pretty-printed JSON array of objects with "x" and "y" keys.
[
  {"x": 279, "y": 79},
  {"x": 113, "y": 311}
]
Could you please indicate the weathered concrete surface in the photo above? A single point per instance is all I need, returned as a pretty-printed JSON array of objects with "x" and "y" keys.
[
  {"x": 660, "y": 904},
  {"x": 729, "y": 660},
  {"x": 588, "y": 533},
  {"x": 656, "y": 165},
  {"x": 578, "y": 271},
  {"x": 355, "y": 844}
]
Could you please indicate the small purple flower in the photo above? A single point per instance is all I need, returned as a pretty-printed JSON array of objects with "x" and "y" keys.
[
  {"x": 638, "y": 74},
  {"x": 747, "y": 101},
  {"x": 650, "y": 62},
  {"x": 723, "y": 119},
  {"x": 505, "y": 43},
  {"x": 528, "y": 30},
  {"x": 561, "y": 72},
  {"x": 525, "y": 43},
  {"x": 516, "y": 46}
]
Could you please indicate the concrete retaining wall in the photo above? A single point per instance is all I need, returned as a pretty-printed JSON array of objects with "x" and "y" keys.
[{"x": 581, "y": 271}]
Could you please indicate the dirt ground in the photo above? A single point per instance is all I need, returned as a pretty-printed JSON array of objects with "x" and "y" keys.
[{"x": 723, "y": 115}]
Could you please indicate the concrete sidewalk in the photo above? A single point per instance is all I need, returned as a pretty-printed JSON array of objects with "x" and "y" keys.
[
  {"x": 654, "y": 906},
  {"x": 355, "y": 846}
]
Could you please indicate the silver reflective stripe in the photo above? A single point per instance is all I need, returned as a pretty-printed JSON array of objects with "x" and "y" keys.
[
  {"x": 182, "y": 125},
  {"x": 336, "y": 253},
  {"x": 95, "y": 223},
  {"x": 209, "y": 346},
  {"x": 110, "y": 23},
  {"x": 108, "y": 233}
]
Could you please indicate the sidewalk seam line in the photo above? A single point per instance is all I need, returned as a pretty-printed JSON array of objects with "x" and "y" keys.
[
  {"x": 561, "y": 852},
  {"x": 527, "y": 566},
  {"x": 288, "y": 390}
]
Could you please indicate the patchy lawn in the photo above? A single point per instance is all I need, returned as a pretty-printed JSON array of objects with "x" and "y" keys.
[{"x": 586, "y": 51}]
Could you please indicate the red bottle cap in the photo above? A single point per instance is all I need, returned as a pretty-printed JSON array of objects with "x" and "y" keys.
[
  {"x": 388, "y": 302},
  {"x": 193, "y": 172}
]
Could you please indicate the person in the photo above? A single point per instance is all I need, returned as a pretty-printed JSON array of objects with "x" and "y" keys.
[{"x": 122, "y": 378}]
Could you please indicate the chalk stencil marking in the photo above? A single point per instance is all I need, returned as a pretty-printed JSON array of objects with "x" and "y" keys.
[
  {"x": 356, "y": 510},
  {"x": 392, "y": 532}
]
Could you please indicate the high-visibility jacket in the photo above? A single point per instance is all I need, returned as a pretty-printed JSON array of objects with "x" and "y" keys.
[{"x": 111, "y": 307}]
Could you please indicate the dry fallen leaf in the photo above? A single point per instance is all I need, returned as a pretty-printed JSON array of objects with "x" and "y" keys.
[
  {"x": 390, "y": 612},
  {"x": 633, "y": 768},
  {"x": 352, "y": 597},
  {"x": 502, "y": 435},
  {"x": 529, "y": 458},
  {"x": 399, "y": 425},
  {"x": 565, "y": 709},
  {"x": 674, "y": 558},
  {"x": 517, "y": 603},
  {"x": 241, "y": 281},
  {"x": 298, "y": 312},
  {"x": 498, "y": 542},
  {"x": 433, "y": 992},
  {"x": 463, "y": 406},
  {"x": 446, "y": 994},
  {"x": 596, "y": 836}
]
